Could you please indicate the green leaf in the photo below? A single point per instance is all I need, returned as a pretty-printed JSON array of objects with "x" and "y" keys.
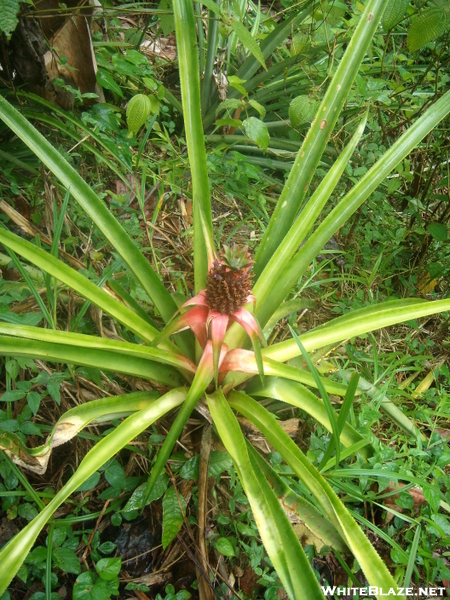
[
  {"x": 302, "y": 110},
  {"x": 166, "y": 21},
  {"x": 137, "y": 499},
  {"x": 12, "y": 368},
  {"x": 107, "y": 547},
  {"x": 358, "y": 322},
  {"x": 29, "y": 428},
  {"x": 12, "y": 557},
  {"x": 172, "y": 515},
  {"x": 249, "y": 42},
  {"x": 94, "y": 207},
  {"x": 109, "y": 568},
  {"x": 27, "y": 511},
  {"x": 88, "y": 587},
  {"x": 438, "y": 230},
  {"x": 138, "y": 109},
  {"x": 115, "y": 475},
  {"x": 299, "y": 42},
  {"x": 8, "y": 16},
  {"x": 315, "y": 142},
  {"x": 224, "y": 546},
  {"x": 432, "y": 497},
  {"x": 66, "y": 560},
  {"x": 90, "y": 482},
  {"x": 393, "y": 13},
  {"x": 12, "y": 396},
  {"x": 427, "y": 27},
  {"x": 106, "y": 80},
  {"x": 258, "y": 107},
  {"x": 280, "y": 541},
  {"x": 190, "y": 468},
  {"x": 188, "y": 62},
  {"x": 228, "y": 122},
  {"x": 219, "y": 462},
  {"x": 230, "y": 104},
  {"x": 236, "y": 83},
  {"x": 257, "y": 131},
  {"x": 372, "y": 565}
]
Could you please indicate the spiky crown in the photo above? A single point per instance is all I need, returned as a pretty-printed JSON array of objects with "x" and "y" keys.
[
  {"x": 229, "y": 280},
  {"x": 236, "y": 257}
]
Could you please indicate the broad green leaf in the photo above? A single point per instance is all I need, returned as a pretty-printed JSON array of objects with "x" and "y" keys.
[
  {"x": 136, "y": 501},
  {"x": 138, "y": 109},
  {"x": 8, "y": 16},
  {"x": 249, "y": 42},
  {"x": 427, "y": 27},
  {"x": 34, "y": 400},
  {"x": 228, "y": 122},
  {"x": 173, "y": 506},
  {"x": 107, "y": 81},
  {"x": 438, "y": 230},
  {"x": 230, "y": 104},
  {"x": 394, "y": 12},
  {"x": 257, "y": 131},
  {"x": 166, "y": 21},
  {"x": 12, "y": 368},
  {"x": 12, "y": 557},
  {"x": 300, "y": 41},
  {"x": 66, "y": 560},
  {"x": 109, "y": 568},
  {"x": 302, "y": 110},
  {"x": 237, "y": 82},
  {"x": 258, "y": 107},
  {"x": 224, "y": 546}
]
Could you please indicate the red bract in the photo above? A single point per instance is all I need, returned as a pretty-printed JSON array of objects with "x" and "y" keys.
[{"x": 209, "y": 324}]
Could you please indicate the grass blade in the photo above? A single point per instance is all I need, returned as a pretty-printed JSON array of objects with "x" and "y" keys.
[{"x": 335, "y": 433}]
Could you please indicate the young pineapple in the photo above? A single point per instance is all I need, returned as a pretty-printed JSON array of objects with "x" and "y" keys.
[{"x": 229, "y": 280}]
